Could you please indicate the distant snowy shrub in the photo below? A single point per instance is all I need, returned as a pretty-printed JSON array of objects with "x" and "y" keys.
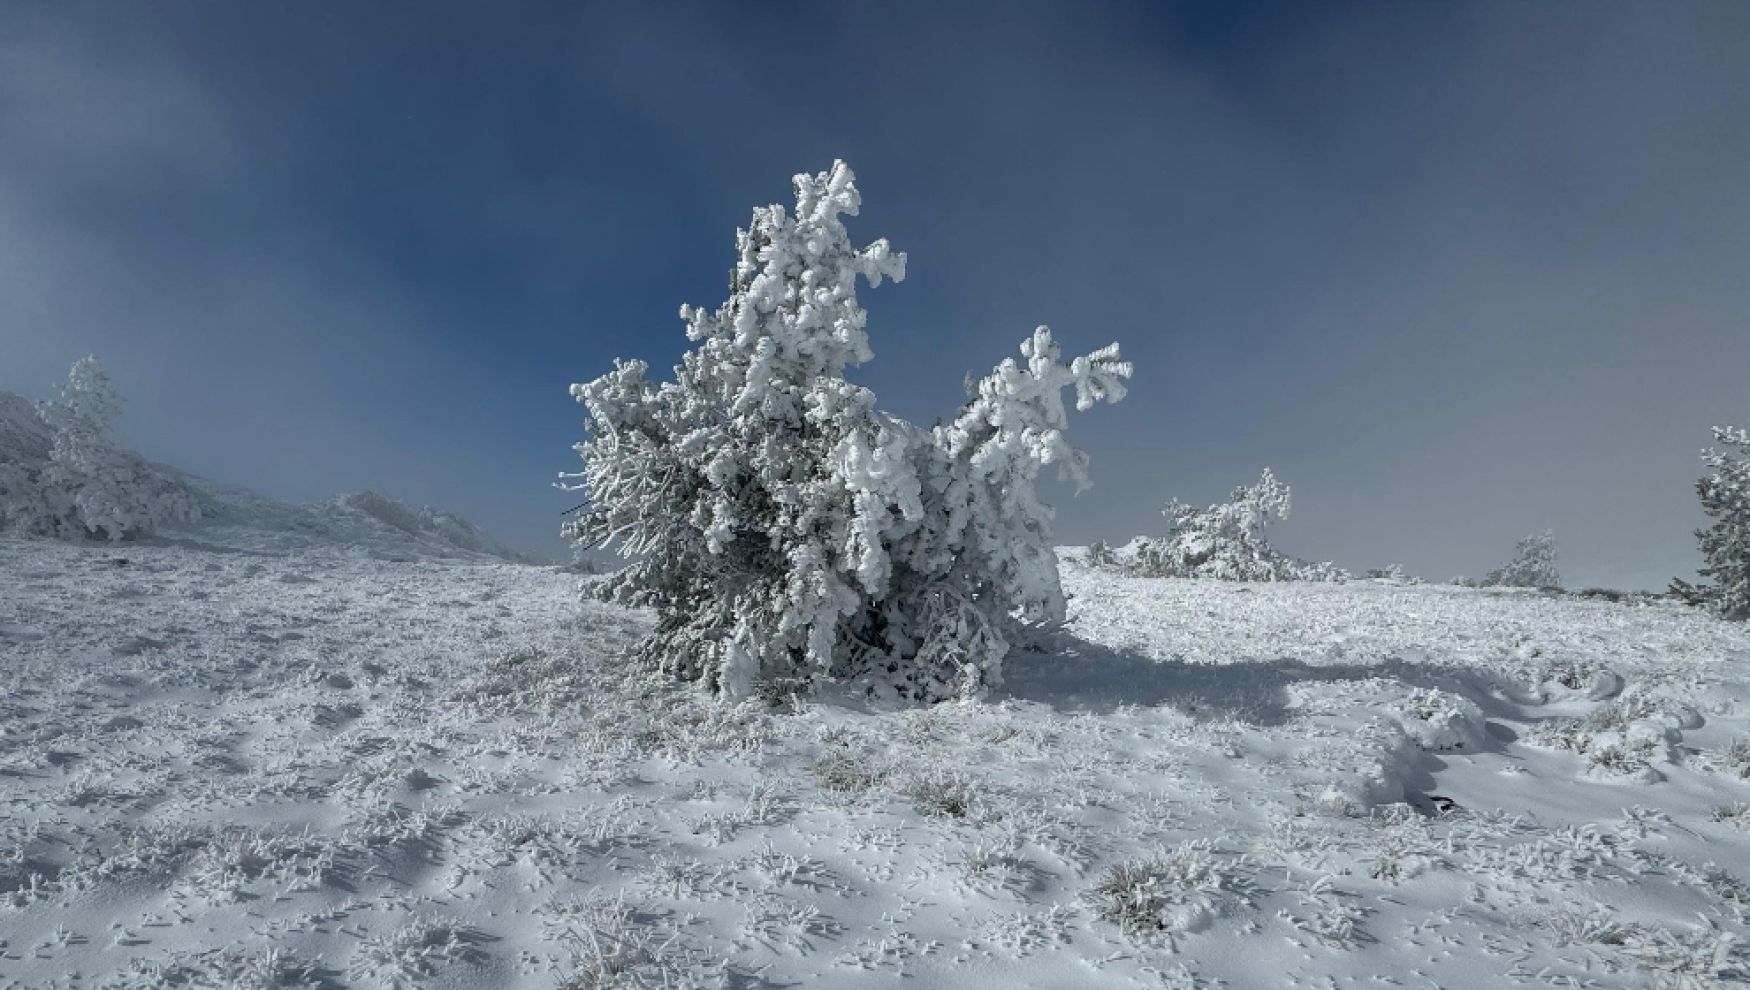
[
  {"x": 1533, "y": 565},
  {"x": 1630, "y": 598},
  {"x": 89, "y": 487},
  {"x": 1393, "y": 573},
  {"x": 1725, "y": 545},
  {"x": 1226, "y": 540},
  {"x": 786, "y": 529}
]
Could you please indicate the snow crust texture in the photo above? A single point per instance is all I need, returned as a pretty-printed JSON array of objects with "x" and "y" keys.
[{"x": 247, "y": 762}]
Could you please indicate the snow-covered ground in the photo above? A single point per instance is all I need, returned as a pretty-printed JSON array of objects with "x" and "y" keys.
[{"x": 235, "y": 758}]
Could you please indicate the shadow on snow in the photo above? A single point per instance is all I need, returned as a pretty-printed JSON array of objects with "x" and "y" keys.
[{"x": 1071, "y": 674}]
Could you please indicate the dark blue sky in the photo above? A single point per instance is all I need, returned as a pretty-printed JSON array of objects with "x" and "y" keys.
[{"x": 1455, "y": 271}]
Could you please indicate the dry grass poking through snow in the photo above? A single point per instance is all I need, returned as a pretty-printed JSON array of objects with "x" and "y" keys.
[{"x": 243, "y": 765}]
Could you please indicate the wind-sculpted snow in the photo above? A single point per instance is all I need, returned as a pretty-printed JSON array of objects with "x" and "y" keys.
[{"x": 247, "y": 763}]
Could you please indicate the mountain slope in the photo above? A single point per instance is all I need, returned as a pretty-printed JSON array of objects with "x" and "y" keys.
[{"x": 375, "y": 523}]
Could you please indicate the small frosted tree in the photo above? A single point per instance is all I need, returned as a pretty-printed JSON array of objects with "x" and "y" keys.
[
  {"x": 90, "y": 486},
  {"x": 1533, "y": 565},
  {"x": 1226, "y": 540},
  {"x": 1725, "y": 545},
  {"x": 785, "y": 529}
]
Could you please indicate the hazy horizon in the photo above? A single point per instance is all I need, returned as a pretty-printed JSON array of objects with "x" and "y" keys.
[{"x": 1456, "y": 273}]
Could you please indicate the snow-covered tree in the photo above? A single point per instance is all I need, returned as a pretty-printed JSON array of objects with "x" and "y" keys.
[
  {"x": 1100, "y": 554},
  {"x": 90, "y": 486},
  {"x": 784, "y": 528},
  {"x": 1226, "y": 540},
  {"x": 1725, "y": 545},
  {"x": 1533, "y": 565}
]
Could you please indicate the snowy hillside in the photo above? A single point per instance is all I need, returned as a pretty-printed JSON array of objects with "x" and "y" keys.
[
  {"x": 374, "y": 522},
  {"x": 23, "y": 436},
  {"x": 249, "y": 762}
]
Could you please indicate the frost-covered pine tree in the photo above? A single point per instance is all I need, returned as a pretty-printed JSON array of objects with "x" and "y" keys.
[
  {"x": 90, "y": 486},
  {"x": 1226, "y": 540},
  {"x": 784, "y": 528},
  {"x": 1725, "y": 545},
  {"x": 1533, "y": 565}
]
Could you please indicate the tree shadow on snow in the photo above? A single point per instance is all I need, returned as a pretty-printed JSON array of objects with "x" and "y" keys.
[{"x": 1072, "y": 674}]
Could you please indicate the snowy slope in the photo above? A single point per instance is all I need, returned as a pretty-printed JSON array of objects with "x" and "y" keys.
[
  {"x": 23, "y": 437},
  {"x": 375, "y": 523},
  {"x": 224, "y": 766}
]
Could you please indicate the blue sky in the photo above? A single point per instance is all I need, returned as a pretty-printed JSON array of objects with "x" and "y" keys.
[{"x": 1455, "y": 271}]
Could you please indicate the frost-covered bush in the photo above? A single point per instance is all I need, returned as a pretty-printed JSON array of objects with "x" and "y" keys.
[
  {"x": 1181, "y": 890},
  {"x": 89, "y": 487},
  {"x": 786, "y": 529},
  {"x": 1533, "y": 565},
  {"x": 1226, "y": 540},
  {"x": 1393, "y": 573},
  {"x": 24, "y": 505},
  {"x": 1725, "y": 545}
]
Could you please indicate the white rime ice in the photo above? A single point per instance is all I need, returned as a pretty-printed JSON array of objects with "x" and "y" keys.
[
  {"x": 1725, "y": 545},
  {"x": 1533, "y": 565},
  {"x": 89, "y": 487},
  {"x": 784, "y": 528},
  {"x": 1226, "y": 540}
]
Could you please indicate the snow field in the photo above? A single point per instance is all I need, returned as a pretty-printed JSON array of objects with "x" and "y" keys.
[{"x": 243, "y": 762}]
